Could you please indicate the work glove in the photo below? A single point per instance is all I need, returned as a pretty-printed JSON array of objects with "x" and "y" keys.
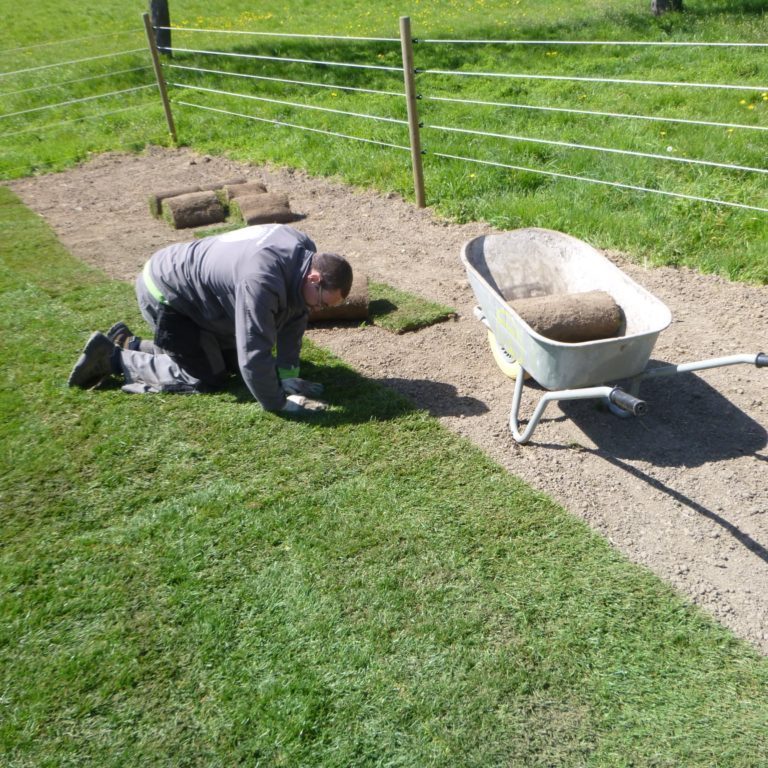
[
  {"x": 296, "y": 386},
  {"x": 300, "y": 405}
]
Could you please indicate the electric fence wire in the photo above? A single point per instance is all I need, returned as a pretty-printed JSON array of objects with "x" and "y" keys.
[
  {"x": 69, "y": 158},
  {"x": 593, "y": 113},
  {"x": 73, "y": 82},
  {"x": 661, "y": 43},
  {"x": 608, "y": 150},
  {"x": 77, "y": 101},
  {"x": 291, "y": 104},
  {"x": 174, "y": 49},
  {"x": 74, "y": 61},
  {"x": 68, "y": 41},
  {"x": 555, "y": 174},
  {"x": 56, "y": 124},
  {"x": 293, "y": 125},
  {"x": 590, "y": 180},
  {"x": 658, "y": 43},
  {"x": 573, "y": 78},
  {"x": 290, "y": 82},
  {"x": 282, "y": 34}
]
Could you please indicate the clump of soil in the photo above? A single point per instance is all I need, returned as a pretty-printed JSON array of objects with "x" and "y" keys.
[{"x": 682, "y": 491}]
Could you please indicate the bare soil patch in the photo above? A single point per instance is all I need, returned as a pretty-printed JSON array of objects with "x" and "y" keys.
[{"x": 682, "y": 491}]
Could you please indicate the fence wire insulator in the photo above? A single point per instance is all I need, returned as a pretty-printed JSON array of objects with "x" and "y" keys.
[
  {"x": 310, "y": 83},
  {"x": 294, "y": 125},
  {"x": 283, "y": 59},
  {"x": 590, "y": 180}
]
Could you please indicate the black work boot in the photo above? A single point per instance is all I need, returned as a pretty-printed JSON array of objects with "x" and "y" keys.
[
  {"x": 121, "y": 335},
  {"x": 97, "y": 362}
]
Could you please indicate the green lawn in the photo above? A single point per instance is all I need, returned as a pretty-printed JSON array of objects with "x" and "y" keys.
[
  {"x": 657, "y": 229},
  {"x": 193, "y": 581}
]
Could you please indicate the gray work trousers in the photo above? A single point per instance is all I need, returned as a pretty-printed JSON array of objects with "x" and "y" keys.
[{"x": 150, "y": 369}]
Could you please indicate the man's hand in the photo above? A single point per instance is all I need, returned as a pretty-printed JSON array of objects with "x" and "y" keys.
[
  {"x": 298, "y": 386},
  {"x": 300, "y": 405}
]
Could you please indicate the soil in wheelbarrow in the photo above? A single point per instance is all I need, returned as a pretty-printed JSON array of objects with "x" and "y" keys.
[{"x": 681, "y": 491}]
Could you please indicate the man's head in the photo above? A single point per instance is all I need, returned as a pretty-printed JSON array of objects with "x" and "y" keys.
[{"x": 329, "y": 281}]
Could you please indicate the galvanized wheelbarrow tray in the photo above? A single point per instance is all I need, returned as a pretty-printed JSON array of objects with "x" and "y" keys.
[{"x": 538, "y": 262}]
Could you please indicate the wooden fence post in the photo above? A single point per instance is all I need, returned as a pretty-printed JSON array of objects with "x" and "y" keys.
[
  {"x": 406, "y": 44},
  {"x": 161, "y": 17},
  {"x": 159, "y": 76}
]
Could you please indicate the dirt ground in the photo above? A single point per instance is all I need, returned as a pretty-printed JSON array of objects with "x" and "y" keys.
[{"x": 681, "y": 491}]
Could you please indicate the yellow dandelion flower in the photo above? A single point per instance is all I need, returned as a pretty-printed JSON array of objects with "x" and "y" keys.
[
  {"x": 751, "y": 106},
  {"x": 742, "y": 101}
]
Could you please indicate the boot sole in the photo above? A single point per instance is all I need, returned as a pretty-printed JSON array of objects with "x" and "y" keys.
[{"x": 89, "y": 369}]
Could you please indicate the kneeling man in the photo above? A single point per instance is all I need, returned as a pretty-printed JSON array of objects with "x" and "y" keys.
[{"x": 219, "y": 305}]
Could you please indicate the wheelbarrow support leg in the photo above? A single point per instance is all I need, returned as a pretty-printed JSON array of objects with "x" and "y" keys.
[{"x": 614, "y": 395}]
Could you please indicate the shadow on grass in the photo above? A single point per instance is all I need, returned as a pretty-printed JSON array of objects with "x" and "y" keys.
[
  {"x": 353, "y": 398},
  {"x": 438, "y": 398},
  {"x": 381, "y": 308}
]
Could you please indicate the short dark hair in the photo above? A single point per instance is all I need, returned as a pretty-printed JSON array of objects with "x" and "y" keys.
[{"x": 335, "y": 272}]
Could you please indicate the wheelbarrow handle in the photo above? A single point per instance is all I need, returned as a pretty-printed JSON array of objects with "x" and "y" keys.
[
  {"x": 761, "y": 361},
  {"x": 627, "y": 402}
]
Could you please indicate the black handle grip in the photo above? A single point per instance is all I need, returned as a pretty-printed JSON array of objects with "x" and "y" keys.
[
  {"x": 627, "y": 402},
  {"x": 761, "y": 361}
]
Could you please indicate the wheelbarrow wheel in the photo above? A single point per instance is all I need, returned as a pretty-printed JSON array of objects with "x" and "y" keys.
[{"x": 508, "y": 365}]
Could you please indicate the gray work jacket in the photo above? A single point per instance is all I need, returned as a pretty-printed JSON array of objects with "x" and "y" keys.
[{"x": 245, "y": 287}]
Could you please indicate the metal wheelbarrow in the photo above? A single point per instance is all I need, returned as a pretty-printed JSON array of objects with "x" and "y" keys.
[{"x": 534, "y": 262}]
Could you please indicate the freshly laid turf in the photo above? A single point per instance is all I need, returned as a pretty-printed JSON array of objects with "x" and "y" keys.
[
  {"x": 188, "y": 580},
  {"x": 401, "y": 312}
]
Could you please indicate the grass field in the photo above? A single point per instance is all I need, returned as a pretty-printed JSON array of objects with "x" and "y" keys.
[
  {"x": 190, "y": 581},
  {"x": 193, "y": 581},
  {"x": 657, "y": 229}
]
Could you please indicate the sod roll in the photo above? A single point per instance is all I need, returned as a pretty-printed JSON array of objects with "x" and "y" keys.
[
  {"x": 156, "y": 200},
  {"x": 354, "y": 307},
  {"x": 243, "y": 189},
  {"x": 195, "y": 209},
  {"x": 262, "y": 208},
  {"x": 237, "y": 181},
  {"x": 572, "y": 317}
]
